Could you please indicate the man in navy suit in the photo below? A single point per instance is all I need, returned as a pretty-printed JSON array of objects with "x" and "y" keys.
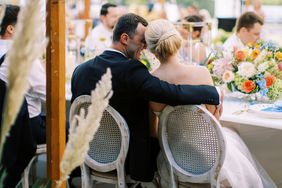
[{"x": 133, "y": 88}]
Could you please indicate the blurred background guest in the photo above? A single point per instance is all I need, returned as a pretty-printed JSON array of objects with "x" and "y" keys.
[
  {"x": 248, "y": 30},
  {"x": 100, "y": 37},
  {"x": 198, "y": 47}
]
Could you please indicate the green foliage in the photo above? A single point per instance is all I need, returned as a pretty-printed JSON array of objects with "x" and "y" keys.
[
  {"x": 202, "y": 4},
  {"x": 229, "y": 86},
  {"x": 42, "y": 183},
  {"x": 2, "y": 176},
  {"x": 275, "y": 90},
  {"x": 272, "y": 2}
]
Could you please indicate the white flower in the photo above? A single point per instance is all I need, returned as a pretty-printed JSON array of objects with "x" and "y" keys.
[
  {"x": 221, "y": 65},
  {"x": 247, "y": 69},
  {"x": 262, "y": 67},
  {"x": 228, "y": 76}
]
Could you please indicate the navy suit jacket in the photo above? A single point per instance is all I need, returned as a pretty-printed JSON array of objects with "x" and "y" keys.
[
  {"x": 19, "y": 147},
  {"x": 133, "y": 88}
]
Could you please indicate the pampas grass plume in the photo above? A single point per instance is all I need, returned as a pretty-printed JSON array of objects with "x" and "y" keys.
[{"x": 2, "y": 12}]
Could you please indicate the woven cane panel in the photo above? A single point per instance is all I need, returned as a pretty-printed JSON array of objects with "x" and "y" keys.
[
  {"x": 106, "y": 145},
  {"x": 192, "y": 141}
]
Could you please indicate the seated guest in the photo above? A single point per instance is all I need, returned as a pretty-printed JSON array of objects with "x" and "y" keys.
[
  {"x": 37, "y": 79},
  {"x": 101, "y": 36},
  {"x": 19, "y": 146},
  {"x": 133, "y": 88},
  {"x": 248, "y": 30},
  {"x": 198, "y": 47},
  {"x": 239, "y": 169}
]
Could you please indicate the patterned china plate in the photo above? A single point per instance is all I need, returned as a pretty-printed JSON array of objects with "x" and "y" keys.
[{"x": 267, "y": 110}]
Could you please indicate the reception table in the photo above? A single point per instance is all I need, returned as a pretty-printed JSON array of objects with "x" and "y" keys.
[{"x": 262, "y": 135}]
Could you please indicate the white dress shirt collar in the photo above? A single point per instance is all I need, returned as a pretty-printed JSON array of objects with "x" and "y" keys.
[{"x": 114, "y": 50}]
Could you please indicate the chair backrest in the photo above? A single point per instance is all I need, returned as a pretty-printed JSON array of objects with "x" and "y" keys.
[
  {"x": 109, "y": 147},
  {"x": 193, "y": 143}
]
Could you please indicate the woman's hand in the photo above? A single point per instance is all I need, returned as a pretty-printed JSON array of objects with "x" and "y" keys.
[{"x": 215, "y": 110}]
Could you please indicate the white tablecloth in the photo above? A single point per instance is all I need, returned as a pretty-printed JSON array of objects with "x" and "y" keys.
[
  {"x": 262, "y": 135},
  {"x": 230, "y": 107}
]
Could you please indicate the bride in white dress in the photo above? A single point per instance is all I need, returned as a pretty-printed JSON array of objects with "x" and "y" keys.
[{"x": 239, "y": 169}]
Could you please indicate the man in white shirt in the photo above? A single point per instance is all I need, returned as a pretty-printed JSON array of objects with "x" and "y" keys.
[
  {"x": 100, "y": 37},
  {"x": 37, "y": 81},
  {"x": 248, "y": 30},
  {"x": 20, "y": 145}
]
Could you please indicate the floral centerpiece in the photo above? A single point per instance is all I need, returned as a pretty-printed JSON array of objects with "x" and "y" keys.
[
  {"x": 149, "y": 60},
  {"x": 254, "y": 72}
]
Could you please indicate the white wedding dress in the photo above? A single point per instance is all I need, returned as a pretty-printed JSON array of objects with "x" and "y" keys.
[{"x": 239, "y": 169}]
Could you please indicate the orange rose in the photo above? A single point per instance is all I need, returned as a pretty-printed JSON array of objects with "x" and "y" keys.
[
  {"x": 255, "y": 53},
  {"x": 278, "y": 55},
  {"x": 248, "y": 86},
  {"x": 240, "y": 55},
  {"x": 269, "y": 80}
]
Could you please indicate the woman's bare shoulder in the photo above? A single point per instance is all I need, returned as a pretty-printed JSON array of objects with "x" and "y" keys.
[
  {"x": 197, "y": 74},
  {"x": 195, "y": 69}
]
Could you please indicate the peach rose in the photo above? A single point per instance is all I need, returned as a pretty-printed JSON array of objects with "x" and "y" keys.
[
  {"x": 248, "y": 86},
  {"x": 269, "y": 80},
  {"x": 240, "y": 55},
  {"x": 228, "y": 76}
]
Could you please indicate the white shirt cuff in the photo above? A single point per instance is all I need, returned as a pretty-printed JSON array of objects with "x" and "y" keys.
[{"x": 219, "y": 93}]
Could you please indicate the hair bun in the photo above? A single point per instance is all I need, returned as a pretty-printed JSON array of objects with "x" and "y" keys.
[{"x": 166, "y": 36}]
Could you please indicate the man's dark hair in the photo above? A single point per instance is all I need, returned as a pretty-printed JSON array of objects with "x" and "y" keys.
[
  {"x": 104, "y": 10},
  {"x": 127, "y": 24},
  {"x": 248, "y": 20},
  {"x": 10, "y": 17},
  {"x": 194, "y": 18}
]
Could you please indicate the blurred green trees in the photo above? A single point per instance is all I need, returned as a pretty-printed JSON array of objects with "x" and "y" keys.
[{"x": 272, "y": 2}]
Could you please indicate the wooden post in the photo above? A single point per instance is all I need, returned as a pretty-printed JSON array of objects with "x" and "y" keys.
[
  {"x": 86, "y": 17},
  {"x": 56, "y": 103},
  {"x": 86, "y": 14}
]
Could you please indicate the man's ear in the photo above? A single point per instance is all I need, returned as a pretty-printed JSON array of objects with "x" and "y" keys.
[
  {"x": 243, "y": 30},
  {"x": 124, "y": 38},
  {"x": 10, "y": 29},
  {"x": 102, "y": 18}
]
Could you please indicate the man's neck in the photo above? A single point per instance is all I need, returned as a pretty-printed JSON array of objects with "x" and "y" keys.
[
  {"x": 239, "y": 38},
  {"x": 6, "y": 36},
  {"x": 120, "y": 48},
  {"x": 106, "y": 27}
]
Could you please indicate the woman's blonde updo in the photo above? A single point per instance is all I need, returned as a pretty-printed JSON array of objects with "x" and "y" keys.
[{"x": 162, "y": 39}]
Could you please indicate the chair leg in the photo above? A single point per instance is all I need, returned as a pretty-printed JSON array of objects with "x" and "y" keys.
[
  {"x": 173, "y": 181},
  {"x": 121, "y": 177},
  {"x": 86, "y": 181},
  {"x": 25, "y": 182},
  {"x": 215, "y": 183}
]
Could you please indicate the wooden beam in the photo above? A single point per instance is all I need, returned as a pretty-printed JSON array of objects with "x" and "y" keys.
[{"x": 56, "y": 103}]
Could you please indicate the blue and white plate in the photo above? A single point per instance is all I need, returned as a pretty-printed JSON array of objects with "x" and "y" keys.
[{"x": 267, "y": 110}]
